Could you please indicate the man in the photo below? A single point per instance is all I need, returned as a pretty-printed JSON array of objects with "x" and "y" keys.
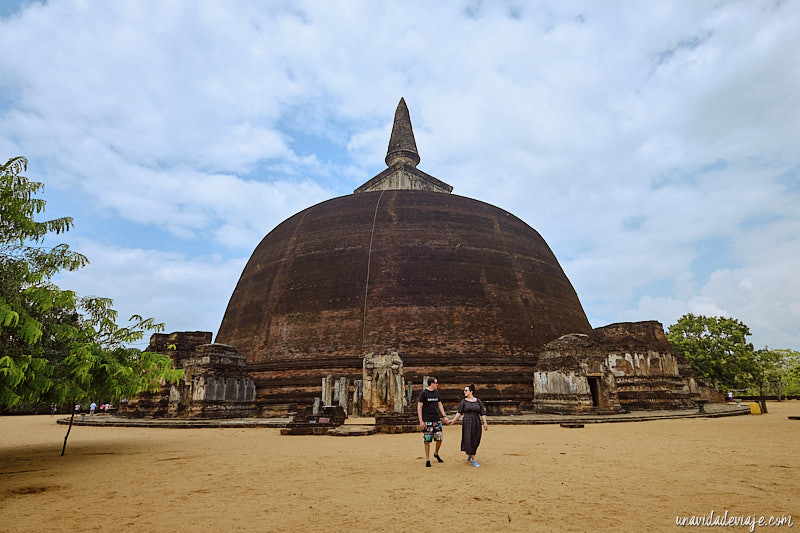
[{"x": 429, "y": 406}]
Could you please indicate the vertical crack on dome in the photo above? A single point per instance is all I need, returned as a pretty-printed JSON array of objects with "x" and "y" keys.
[{"x": 369, "y": 261}]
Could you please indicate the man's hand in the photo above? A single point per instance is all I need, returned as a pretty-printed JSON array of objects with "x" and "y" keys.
[{"x": 422, "y": 424}]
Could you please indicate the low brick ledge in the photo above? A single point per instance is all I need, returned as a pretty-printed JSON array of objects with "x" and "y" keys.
[
  {"x": 633, "y": 416},
  {"x": 177, "y": 423},
  {"x": 712, "y": 411}
]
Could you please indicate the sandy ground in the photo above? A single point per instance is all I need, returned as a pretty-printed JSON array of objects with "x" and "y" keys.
[{"x": 604, "y": 477}]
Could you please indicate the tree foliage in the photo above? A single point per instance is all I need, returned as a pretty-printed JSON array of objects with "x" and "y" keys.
[
  {"x": 719, "y": 353},
  {"x": 717, "y": 349},
  {"x": 54, "y": 345},
  {"x": 778, "y": 372}
]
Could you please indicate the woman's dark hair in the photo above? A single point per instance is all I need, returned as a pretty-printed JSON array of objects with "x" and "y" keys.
[{"x": 472, "y": 388}]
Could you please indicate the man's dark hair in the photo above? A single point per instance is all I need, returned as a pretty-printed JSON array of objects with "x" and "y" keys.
[{"x": 431, "y": 381}]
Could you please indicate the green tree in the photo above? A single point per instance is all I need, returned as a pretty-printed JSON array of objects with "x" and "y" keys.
[
  {"x": 778, "y": 371},
  {"x": 765, "y": 369},
  {"x": 717, "y": 349},
  {"x": 792, "y": 381},
  {"x": 55, "y": 346}
]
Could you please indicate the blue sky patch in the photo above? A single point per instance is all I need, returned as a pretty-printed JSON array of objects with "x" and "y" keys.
[{"x": 711, "y": 255}]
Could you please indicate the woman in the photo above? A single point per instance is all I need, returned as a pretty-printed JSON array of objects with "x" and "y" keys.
[{"x": 472, "y": 410}]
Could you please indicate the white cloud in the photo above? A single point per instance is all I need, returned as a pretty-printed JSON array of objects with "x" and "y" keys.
[
  {"x": 186, "y": 294},
  {"x": 626, "y": 134}
]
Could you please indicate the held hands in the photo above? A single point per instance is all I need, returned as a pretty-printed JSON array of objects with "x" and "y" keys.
[{"x": 446, "y": 420}]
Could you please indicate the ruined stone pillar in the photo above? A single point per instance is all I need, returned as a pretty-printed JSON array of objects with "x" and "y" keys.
[
  {"x": 358, "y": 392},
  {"x": 315, "y": 409},
  {"x": 399, "y": 396},
  {"x": 344, "y": 386},
  {"x": 327, "y": 390}
]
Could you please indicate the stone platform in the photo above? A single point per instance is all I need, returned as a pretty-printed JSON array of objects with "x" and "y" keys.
[
  {"x": 713, "y": 410},
  {"x": 352, "y": 430},
  {"x": 115, "y": 421}
]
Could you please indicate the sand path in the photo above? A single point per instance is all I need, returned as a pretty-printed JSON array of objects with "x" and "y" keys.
[{"x": 604, "y": 477}]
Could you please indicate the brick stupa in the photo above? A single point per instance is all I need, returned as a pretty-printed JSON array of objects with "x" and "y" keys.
[{"x": 461, "y": 289}]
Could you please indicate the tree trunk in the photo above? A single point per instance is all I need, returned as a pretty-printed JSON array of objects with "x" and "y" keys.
[
  {"x": 762, "y": 402},
  {"x": 68, "y": 429}
]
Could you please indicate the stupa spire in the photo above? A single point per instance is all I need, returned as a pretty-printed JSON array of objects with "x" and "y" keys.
[
  {"x": 402, "y": 146},
  {"x": 402, "y": 158}
]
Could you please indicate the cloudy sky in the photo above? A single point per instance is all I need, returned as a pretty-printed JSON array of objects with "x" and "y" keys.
[{"x": 654, "y": 145}]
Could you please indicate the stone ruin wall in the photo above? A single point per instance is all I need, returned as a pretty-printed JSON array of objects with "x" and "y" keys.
[
  {"x": 633, "y": 363},
  {"x": 215, "y": 385},
  {"x": 561, "y": 382},
  {"x": 179, "y": 346},
  {"x": 650, "y": 380},
  {"x": 570, "y": 392},
  {"x": 646, "y": 370}
]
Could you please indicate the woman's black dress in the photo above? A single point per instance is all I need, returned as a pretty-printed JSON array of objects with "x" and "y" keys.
[{"x": 471, "y": 426}]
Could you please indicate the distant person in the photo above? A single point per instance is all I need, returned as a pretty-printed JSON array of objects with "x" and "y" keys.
[
  {"x": 92, "y": 408},
  {"x": 730, "y": 396},
  {"x": 77, "y": 408},
  {"x": 473, "y": 411},
  {"x": 53, "y": 410},
  {"x": 429, "y": 407}
]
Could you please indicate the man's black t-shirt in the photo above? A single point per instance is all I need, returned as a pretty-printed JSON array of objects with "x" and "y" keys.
[{"x": 430, "y": 405}]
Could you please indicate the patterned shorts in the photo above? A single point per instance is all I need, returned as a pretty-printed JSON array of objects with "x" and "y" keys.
[{"x": 432, "y": 431}]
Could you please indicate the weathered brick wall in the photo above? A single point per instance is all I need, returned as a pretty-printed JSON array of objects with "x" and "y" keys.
[
  {"x": 179, "y": 346},
  {"x": 638, "y": 368},
  {"x": 563, "y": 373},
  {"x": 215, "y": 385},
  {"x": 646, "y": 370}
]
